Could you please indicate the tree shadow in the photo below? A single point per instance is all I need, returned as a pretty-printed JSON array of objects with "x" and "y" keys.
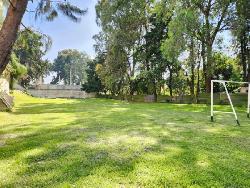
[{"x": 128, "y": 144}]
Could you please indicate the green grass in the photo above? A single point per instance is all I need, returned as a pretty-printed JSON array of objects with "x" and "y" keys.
[{"x": 109, "y": 143}]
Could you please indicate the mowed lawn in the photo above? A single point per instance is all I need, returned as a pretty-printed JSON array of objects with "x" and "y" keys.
[{"x": 109, "y": 143}]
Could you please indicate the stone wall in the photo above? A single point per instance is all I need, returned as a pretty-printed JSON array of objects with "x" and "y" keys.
[{"x": 59, "y": 91}]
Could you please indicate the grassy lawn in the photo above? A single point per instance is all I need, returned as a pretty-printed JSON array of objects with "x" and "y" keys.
[{"x": 109, "y": 143}]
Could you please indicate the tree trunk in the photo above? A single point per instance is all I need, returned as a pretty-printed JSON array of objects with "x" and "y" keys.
[
  {"x": 9, "y": 30},
  {"x": 192, "y": 81},
  {"x": 198, "y": 81},
  {"x": 192, "y": 65},
  {"x": 209, "y": 67},
  {"x": 11, "y": 84},
  {"x": 243, "y": 58},
  {"x": 203, "y": 58},
  {"x": 170, "y": 82},
  {"x": 155, "y": 90}
]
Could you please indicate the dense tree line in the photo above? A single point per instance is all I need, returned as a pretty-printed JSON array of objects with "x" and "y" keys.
[
  {"x": 154, "y": 47},
  {"x": 151, "y": 47}
]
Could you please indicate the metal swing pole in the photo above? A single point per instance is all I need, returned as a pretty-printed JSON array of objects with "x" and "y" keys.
[
  {"x": 248, "y": 102},
  {"x": 212, "y": 101},
  {"x": 230, "y": 101}
]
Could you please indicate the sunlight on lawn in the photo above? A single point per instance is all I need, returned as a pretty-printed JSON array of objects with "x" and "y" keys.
[{"x": 93, "y": 142}]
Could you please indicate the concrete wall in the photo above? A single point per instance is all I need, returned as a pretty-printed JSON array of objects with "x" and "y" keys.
[
  {"x": 56, "y": 87},
  {"x": 59, "y": 91}
]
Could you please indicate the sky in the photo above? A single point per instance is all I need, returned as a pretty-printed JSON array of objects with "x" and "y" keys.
[
  {"x": 69, "y": 35},
  {"x": 65, "y": 33}
]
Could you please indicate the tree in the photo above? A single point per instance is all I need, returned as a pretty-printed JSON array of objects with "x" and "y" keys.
[
  {"x": 226, "y": 68},
  {"x": 153, "y": 62},
  {"x": 144, "y": 43},
  {"x": 122, "y": 30},
  {"x": 200, "y": 20},
  {"x": 113, "y": 70},
  {"x": 16, "y": 10},
  {"x": 215, "y": 17},
  {"x": 171, "y": 49},
  {"x": 16, "y": 70},
  {"x": 70, "y": 66},
  {"x": 240, "y": 29},
  {"x": 29, "y": 48},
  {"x": 93, "y": 83},
  {"x": 182, "y": 30}
]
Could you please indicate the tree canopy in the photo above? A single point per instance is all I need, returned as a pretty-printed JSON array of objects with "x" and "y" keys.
[
  {"x": 30, "y": 49},
  {"x": 153, "y": 46},
  {"x": 45, "y": 8},
  {"x": 70, "y": 67},
  {"x": 144, "y": 47}
]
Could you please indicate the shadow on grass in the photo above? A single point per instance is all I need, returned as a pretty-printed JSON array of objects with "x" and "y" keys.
[{"x": 130, "y": 144}]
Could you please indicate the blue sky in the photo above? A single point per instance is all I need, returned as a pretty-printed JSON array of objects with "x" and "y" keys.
[
  {"x": 69, "y": 35},
  {"x": 65, "y": 33}
]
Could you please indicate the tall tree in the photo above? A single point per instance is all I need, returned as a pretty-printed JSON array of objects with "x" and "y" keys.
[
  {"x": 241, "y": 32},
  {"x": 153, "y": 62},
  {"x": 122, "y": 29},
  {"x": 182, "y": 31},
  {"x": 30, "y": 48},
  {"x": 204, "y": 19},
  {"x": 215, "y": 17},
  {"x": 16, "y": 10},
  {"x": 93, "y": 83},
  {"x": 70, "y": 67}
]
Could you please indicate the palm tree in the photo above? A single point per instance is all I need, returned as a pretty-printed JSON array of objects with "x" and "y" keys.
[{"x": 50, "y": 9}]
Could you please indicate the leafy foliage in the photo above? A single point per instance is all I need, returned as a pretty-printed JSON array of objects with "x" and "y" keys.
[
  {"x": 70, "y": 67},
  {"x": 149, "y": 45},
  {"x": 30, "y": 48},
  {"x": 240, "y": 30},
  {"x": 50, "y": 10},
  {"x": 16, "y": 70},
  {"x": 226, "y": 68},
  {"x": 93, "y": 83}
]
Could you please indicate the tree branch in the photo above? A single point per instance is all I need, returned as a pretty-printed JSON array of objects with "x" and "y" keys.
[{"x": 218, "y": 27}]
